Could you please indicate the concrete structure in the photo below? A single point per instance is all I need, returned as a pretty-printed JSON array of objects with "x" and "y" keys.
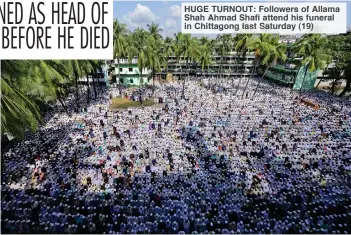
[
  {"x": 129, "y": 73},
  {"x": 100, "y": 76},
  {"x": 288, "y": 38},
  {"x": 232, "y": 65},
  {"x": 282, "y": 74},
  {"x": 291, "y": 75}
]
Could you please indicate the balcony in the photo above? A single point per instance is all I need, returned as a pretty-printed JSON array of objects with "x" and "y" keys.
[
  {"x": 283, "y": 69},
  {"x": 280, "y": 78},
  {"x": 125, "y": 61}
]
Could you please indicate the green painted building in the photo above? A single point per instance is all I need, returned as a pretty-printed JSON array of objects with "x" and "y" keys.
[
  {"x": 128, "y": 74},
  {"x": 281, "y": 74},
  {"x": 292, "y": 76}
]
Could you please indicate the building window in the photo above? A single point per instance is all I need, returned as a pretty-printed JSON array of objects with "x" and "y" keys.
[
  {"x": 121, "y": 69},
  {"x": 130, "y": 69},
  {"x": 131, "y": 81}
]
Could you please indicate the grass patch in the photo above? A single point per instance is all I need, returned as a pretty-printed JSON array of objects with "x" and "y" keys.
[{"x": 124, "y": 103}]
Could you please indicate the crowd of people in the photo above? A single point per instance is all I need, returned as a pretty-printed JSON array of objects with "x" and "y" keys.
[{"x": 214, "y": 162}]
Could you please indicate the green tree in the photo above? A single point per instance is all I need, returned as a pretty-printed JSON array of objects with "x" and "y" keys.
[
  {"x": 275, "y": 51},
  {"x": 154, "y": 56},
  {"x": 339, "y": 47},
  {"x": 205, "y": 55},
  {"x": 186, "y": 43},
  {"x": 335, "y": 74},
  {"x": 347, "y": 77},
  {"x": 212, "y": 46},
  {"x": 194, "y": 52},
  {"x": 155, "y": 31},
  {"x": 242, "y": 46},
  {"x": 80, "y": 68},
  {"x": 96, "y": 65},
  {"x": 28, "y": 84},
  {"x": 120, "y": 33},
  {"x": 18, "y": 112},
  {"x": 224, "y": 47},
  {"x": 168, "y": 50},
  {"x": 259, "y": 45},
  {"x": 23, "y": 85},
  {"x": 177, "y": 48},
  {"x": 204, "y": 40},
  {"x": 138, "y": 47}
]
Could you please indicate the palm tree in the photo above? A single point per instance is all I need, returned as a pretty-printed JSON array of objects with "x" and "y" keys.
[
  {"x": 186, "y": 43},
  {"x": 18, "y": 112},
  {"x": 155, "y": 30},
  {"x": 339, "y": 47},
  {"x": 193, "y": 52},
  {"x": 167, "y": 49},
  {"x": 37, "y": 82},
  {"x": 325, "y": 72},
  {"x": 204, "y": 40},
  {"x": 154, "y": 56},
  {"x": 276, "y": 52},
  {"x": 62, "y": 81},
  {"x": 224, "y": 47},
  {"x": 177, "y": 47},
  {"x": 138, "y": 47},
  {"x": 23, "y": 85},
  {"x": 99, "y": 66},
  {"x": 335, "y": 46},
  {"x": 335, "y": 74},
  {"x": 95, "y": 65},
  {"x": 61, "y": 91},
  {"x": 190, "y": 49},
  {"x": 119, "y": 43},
  {"x": 312, "y": 47},
  {"x": 80, "y": 68},
  {"x": 260, "y": 45},
  {"x": 205, "y": 56},
  {"x": 242, "y": 45},
  {"x": 212, "y": 48},
  {"x": 347, "y": 76},
  {"x": 235, "y": 60}
]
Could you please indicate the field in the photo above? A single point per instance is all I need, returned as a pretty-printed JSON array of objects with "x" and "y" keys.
[{"x": 124, "y": 103}]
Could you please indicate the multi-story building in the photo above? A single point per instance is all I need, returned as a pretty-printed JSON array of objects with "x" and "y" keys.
[
  {"x": 232, "y": 65},
  {"x": 99, "y": 76},
  {"x": 291, "y": 75},
  {"x": 127, "y": 73},
  {"x": 288, "y": 39}
]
